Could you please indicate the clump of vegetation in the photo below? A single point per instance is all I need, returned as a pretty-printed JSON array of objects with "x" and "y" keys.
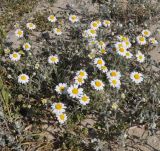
[{"x": 82, "y": 68}]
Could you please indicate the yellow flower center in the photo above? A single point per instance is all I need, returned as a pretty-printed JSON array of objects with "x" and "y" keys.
[
  {"x": 61, "y": 88},
  {"x": 113, "y": 74},
  {"x": 141, "y": 39},
  {"x": 52, "y": 17},
  {"x": 121, "y": 49},
  {"x": 82, "y": 74},
  {"x": 101, "y": 43},
  {"x": 74, "y": 17},
  {"x": 75, "y": 91},
  {"x": 53, "y": 59},
  {"x": 80, "y": 80},
  {"x": 58, "y": 106},
  {"x": 114, "y": 82},
  {"x": 26, "y": 46},
  {"x": 103, "y": 51},
  {"x": 124, "y": 38},
  {"x": 31, "y": 25},
  {"x": 15, "y": 55},
  {"x": 19, "y": 32},
  {"x": 94, "y": 24},
  {"x": 137, "y": 76},
  {"x": 62, "y": 117},
  {"x": 58, "y": 30},
  {"x": 127, "y": 54},
  {"x": 107, "y": 22},
  {"x": 146, "y": 33},
  {"x": 100, "y": 62},
  {"x": 93, "y": 31},
  {"x": 98, "y": 83},
  {"x": 120, "y": 45},
  {"x": 84, "y": 98},
  {"x": 127, "y": 43},
  {"x": 140, "y": 57},
  {"x": 23, "y": 77},
  {"x": 103, "y": 67}
]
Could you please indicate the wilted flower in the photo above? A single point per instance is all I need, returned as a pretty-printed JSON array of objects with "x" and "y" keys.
[
  {"x": 60, "y": 88},
  {"x": 31, "y": 26},
  {"x": 106, "y": 23}
]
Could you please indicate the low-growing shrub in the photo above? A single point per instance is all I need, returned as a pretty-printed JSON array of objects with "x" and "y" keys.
[{"x": 85, "y": 67}]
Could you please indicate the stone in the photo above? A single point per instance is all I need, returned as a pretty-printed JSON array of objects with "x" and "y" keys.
[{"x": 154, "y": 142}]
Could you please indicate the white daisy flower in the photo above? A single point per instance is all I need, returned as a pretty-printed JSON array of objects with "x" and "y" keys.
[
  {"x": 31, "y": 26},
  {"x": 121, "y": 51},
  {"x": 7, "y": 50},
  {"x": 115, "y": 106},
  {"x": 73, "y": 18},
  {"x": 136, "y": 77},
  {"x": 103, "y": 51},
  {"x": 99, "y": 62},
  {"x": 57, "y": 31},
  {"x": 153, "y": 41},
  {"x": 61, "y": 118},
  {"x": 82, "y": 73},
  {"x": 127, "y": 44},
  {"x": 115, "y": 83},
  {"x": 104, "y": 69},
  {"x": 101, "y": 45},
  {"x": 91, "y": 33},
  {"x": 94, "y": 25},
  {"x": 113, "y": 74},
  {"x": 19, "y": 33},
  {"x": 140, "y": 57},
  {"x": 58, "y": 108},
  {"x": 84, "y": 99},
  {"x": 106, "y": 23},
  {"x": 99, "y": 23},
  {"x": 23, "y": 78},
  {"x": 97, "y": 84},
  {"x": 79, "y": 80},
  {"x": 128, "y": 55},
  {"x": 74, "y": 91},
  {"x": 146, "y": 33},
  {"x": 52, "y": 18},
  {"x": 26, "y": 46},
  {"x": 60, "y": 88},
  {"x": 53, "y": 59},
  {"x": 15, "y": 56},
  {"x": 141, "y": 40},
  {"x": 120, "y": 44},
  {"x": 85, "y": 34}
]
